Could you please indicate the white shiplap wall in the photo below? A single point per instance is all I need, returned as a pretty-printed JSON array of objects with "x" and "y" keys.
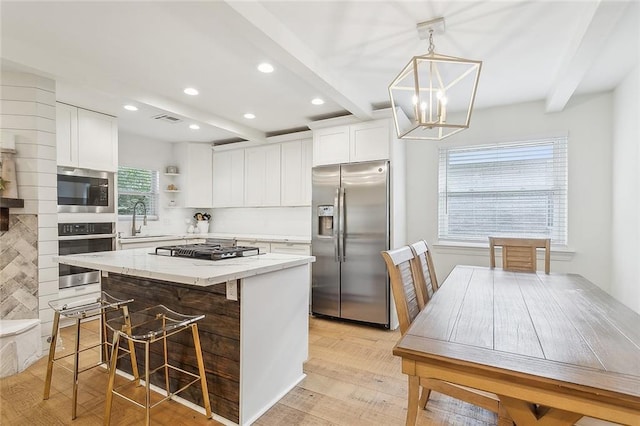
[{"x": 28, "y": 110}]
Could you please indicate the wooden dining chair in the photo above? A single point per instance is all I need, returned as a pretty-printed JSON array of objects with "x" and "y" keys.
[
  {"x": 519, "y": 254},
  {"x": 424, "y": 272},
  {"x": 403, "y": 287}
]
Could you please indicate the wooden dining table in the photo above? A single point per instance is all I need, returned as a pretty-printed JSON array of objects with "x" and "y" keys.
[{"x": 552, "y": 347}]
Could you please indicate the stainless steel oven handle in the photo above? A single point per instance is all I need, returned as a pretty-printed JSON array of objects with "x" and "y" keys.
[{"x": 85, "y": 237}]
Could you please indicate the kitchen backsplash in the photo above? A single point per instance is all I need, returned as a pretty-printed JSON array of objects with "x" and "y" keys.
[{"x": 293, "y": 221}]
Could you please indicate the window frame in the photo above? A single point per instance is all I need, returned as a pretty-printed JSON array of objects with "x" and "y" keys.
[
  {"x": 557, "y": 208},
  {"x": 153, "y": 209}
]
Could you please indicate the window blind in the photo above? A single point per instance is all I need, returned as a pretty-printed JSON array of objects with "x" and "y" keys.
[
  {"x": 511, "y": 189},
  {"x": 138, "y": 185}
]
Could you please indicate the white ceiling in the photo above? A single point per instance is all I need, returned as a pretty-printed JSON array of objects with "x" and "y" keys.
[{"x": 107, "y": 54}]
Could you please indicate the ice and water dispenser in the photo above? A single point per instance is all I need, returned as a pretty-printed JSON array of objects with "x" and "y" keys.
[{"x": 325, "y": 221}]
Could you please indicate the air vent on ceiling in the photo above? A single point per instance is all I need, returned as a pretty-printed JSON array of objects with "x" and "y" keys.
[{"x": 168, "y": 118}]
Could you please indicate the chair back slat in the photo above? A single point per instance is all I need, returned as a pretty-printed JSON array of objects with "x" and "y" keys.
[
  {"x": 424, "y": 271},
  {"x": 403, "y": 286},
  {"x": 519, "y": 254}
]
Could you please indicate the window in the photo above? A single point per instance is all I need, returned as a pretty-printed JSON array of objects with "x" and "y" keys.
[
  {"x": 512, "y": 189},
  {"x": 138, "y": 185}
]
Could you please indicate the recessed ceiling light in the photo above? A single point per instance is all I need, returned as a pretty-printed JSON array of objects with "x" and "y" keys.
[
  {"x": 194, "y": 126},
  {"x": 317, "y": 101},
  {"x": 131, "y": 107},
  {"x": 265, "y": 67},
  {"x": 249, "y": 116},
  {"x": 191, "y": 91}
]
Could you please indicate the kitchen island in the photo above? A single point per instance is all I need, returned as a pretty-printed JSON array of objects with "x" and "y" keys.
[{"x": 255, "y": 332}]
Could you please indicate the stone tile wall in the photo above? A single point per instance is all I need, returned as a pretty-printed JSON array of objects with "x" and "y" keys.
[{"x": 19, "y": 268}]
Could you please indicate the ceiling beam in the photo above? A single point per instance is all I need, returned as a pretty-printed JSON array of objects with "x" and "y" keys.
[
  {"x": 37, "y": 60},
  {"x": 284, "y": 46},
  {"x": 597, "y": 23}
]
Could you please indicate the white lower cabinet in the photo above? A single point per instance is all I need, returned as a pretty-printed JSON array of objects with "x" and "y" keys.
[
  {"x": 263, "y": 246},
  {"x": 291, "y": 248},
  {"x": 157, "y": 243},
  {"x": 302, "y": 249}
]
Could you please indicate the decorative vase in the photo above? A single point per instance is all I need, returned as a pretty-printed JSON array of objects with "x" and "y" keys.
[{"x": 203, "y": 226}]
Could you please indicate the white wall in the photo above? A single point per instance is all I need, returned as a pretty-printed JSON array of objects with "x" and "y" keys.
[
  {"x": 625, "y": 250},
  {"x": 142, "y": 152},
  {"x": 588, "y": 122},
  {"x": 28, "y": 111}
]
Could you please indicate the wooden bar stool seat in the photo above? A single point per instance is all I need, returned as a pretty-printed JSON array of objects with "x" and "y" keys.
[
  {"x": 81, "y": 308},
  {"x": 146, "y": 327}
]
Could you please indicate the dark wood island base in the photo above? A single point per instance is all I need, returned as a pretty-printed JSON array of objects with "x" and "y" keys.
[{"x": 219, "y": 336}]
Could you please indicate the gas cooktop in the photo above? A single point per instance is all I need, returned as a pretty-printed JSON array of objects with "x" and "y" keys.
[{"x": 206, "y": 251}]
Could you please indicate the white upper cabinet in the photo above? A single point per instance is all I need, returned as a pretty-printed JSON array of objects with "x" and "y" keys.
[
  {"x": 67, "y": 135},
  {"x": 86, "y": 139},
  {"x": 295, "y": 162},
  {"x": 228, "y": 178},
  {"x": 349, "y": 144},
  {"x": 369, "y": 141},
  {"x": 331, "y": 145},
  {"x": 198, "y": 175},
  {"x": 262, "y": 176}
]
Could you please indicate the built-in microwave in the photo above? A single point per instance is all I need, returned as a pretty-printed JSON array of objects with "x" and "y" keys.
[{"x": 85, "y": 191}]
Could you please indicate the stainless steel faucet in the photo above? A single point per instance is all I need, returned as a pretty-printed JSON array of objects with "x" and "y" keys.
[{"x": 135, "y": 231}]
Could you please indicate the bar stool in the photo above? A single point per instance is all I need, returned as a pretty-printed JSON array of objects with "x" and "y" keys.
[
  {"x": 149, "y": 326},
  {"x": 79, "y": 308}
]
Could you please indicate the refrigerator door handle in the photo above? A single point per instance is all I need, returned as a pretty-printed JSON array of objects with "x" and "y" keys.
[
  {"x": 342, "y": 226},
  {"x": 336, "y": 225}
]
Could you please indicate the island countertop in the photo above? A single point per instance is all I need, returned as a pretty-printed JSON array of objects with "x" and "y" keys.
[{"x": 199, "y": 272}]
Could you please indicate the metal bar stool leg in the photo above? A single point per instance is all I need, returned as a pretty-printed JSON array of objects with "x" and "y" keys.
[
  {"x": 76, "y": 362},
  {"x": 52, "y": 354},
  {"x": 147, "y": 382},
  {"x": 132, "y": 348},
  {"x": 201, "y": 370},
  {"x": 112, "y": 376},
  {"x": 166, "y": 358}
]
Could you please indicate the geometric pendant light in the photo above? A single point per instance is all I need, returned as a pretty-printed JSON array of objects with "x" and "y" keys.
[{"x": 432, "y": 97}]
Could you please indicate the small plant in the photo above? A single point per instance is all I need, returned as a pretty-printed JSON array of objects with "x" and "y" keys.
[{"x": 202, "y": 216}]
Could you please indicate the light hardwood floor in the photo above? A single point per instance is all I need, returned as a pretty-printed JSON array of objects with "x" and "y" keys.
[{"x": 352, "y": 379}]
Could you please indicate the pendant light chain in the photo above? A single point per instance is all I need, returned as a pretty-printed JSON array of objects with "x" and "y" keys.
[{"x": 432, "y": 47}]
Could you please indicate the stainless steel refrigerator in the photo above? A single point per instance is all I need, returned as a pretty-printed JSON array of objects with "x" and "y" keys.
[{"x": 350, "y": 209}]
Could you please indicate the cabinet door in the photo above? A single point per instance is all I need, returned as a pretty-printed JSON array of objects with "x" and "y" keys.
[
  {"x": 97, "y": 141},
  {"x": 331, "y": 145},
  {"x": 199, "y": 175},
  {"x": 262, "y": 176},
  {"x": 369, "y": 141},
  {"x": 296, "y": 160},
  {"x": 67, "y": 135},
  {"x": 228, "y": 178},
  {"x": 291, "y": 248},
  {"x": 263, "y": 246}
]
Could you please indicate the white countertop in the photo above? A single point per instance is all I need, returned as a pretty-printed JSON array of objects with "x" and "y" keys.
[
  {"x": 199, "y": 272},
  {"x": 250, "y": 237}
]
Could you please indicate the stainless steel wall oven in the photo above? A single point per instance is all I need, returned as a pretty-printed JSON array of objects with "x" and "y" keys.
[
  {"x": 85, "y": 191},
  {"x": 76, "y": 238}
]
